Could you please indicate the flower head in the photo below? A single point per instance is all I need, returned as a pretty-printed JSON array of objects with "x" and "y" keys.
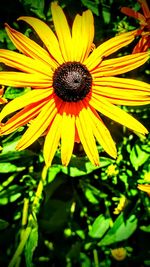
[
  {"x": 144, "y": 20},
  {"x": 69, "y": 83}
]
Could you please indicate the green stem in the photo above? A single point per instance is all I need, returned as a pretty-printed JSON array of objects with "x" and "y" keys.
[
  {"x": 16, "y": 259},
  {"x": 20, "y": 248},
  {"x": 96, "y": 261}
]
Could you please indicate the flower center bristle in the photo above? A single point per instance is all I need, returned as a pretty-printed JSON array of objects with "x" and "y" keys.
[{"x": 72, "y": 81}]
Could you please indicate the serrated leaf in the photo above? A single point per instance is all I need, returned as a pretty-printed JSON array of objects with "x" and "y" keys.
[
  {"x": 99, "y": 227},
  {"x": 121, "y": 230}
]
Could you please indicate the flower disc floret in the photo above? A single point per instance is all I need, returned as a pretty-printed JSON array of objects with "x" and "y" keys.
[{"x": 72, "y": 81}]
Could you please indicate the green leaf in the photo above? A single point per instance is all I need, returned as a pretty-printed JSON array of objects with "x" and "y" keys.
[
  {"x": 9, "y": 157},
  {"x": 92, "y": 5},
  {"x": 85, "y": 260},
  {"x": 3, "y": 224},
  {"x": 7, "y": 167},
  {"x": 31, "y": 245},
  {"x": 90, "y": 196},
  {"x": 99, "y": 227},
  {"x": 79, "y": 166},
  {"x": 121, "y": 230},
  {"x": 36, "y": 6},
  {"x": 145, "y": 228},
  {"x": 106, "y": 14},
  {"x": 52, "y": 172},
  {"x": 10, "y": 194},
  {"x": 139, "y": 154},
  {"x": 12, "y": 93}
]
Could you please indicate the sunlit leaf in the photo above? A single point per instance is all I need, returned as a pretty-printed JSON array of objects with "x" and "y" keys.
[
  {"x": 79, "y": 166},
  {"x": 122, "y": 229},
  {"x": 99, "y": 227},
  {"x": 11, "y": 194},
  {"x": 12, "y": 93},
  {"x": 139, "y": 154}
]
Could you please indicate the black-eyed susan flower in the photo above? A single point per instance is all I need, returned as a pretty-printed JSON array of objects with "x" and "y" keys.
[
  {"x": 70, "y": 82},
  {"x": 144, "y": 21}
]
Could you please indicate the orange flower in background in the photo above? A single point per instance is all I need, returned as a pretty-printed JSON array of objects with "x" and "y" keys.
[
  {"x": 69, "y": 82},
  {"x": 144, "y": 20}
]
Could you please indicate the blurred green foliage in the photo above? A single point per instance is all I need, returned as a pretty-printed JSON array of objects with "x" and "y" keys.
[{"x": 86, "y": 213}]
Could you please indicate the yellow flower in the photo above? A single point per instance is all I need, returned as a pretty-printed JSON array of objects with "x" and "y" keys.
[
  {"x": 119, "y": 254},
  {"x": 121, "y": 205},
  {"x": 70, "y": 81},
  {"x": 111, "y": 170},
  {"x": 144, "y": 20}
]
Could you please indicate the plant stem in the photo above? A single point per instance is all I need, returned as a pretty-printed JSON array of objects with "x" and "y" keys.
[
  {"x": 96, "y": 261},
  {"x": 25, "y": 233}
]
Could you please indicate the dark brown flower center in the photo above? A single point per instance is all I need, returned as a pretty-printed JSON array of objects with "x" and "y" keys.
[{"x": 72, "y": 81}]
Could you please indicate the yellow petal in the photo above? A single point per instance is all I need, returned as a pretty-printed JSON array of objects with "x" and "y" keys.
[
  {"x": 52, "y": 139},
  {"x": 29, "y": 47},
  {"x": 101, "y": 133},
  {"x": 122, "y": 91},
  {"x": 116, "y": 114},
  {"x": 46, "y": 35},
  {"x": 111, "y": 67},
  {"x": 107, "y": 48},
  {"x": 24, "y": 63},
  {"x": 67, "y": 134},
  {"x": 62, "y": 31},
  {"x": 82, "y": 36},
  {"x": 39, "y": 125},
  {"x": 19, "y": 79},
  {"x": 24, "y": 100},
  {"x": 85, "y": 132},
  {"x": 22, "y": 117},
  {"x": 144, "y": 187}
]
